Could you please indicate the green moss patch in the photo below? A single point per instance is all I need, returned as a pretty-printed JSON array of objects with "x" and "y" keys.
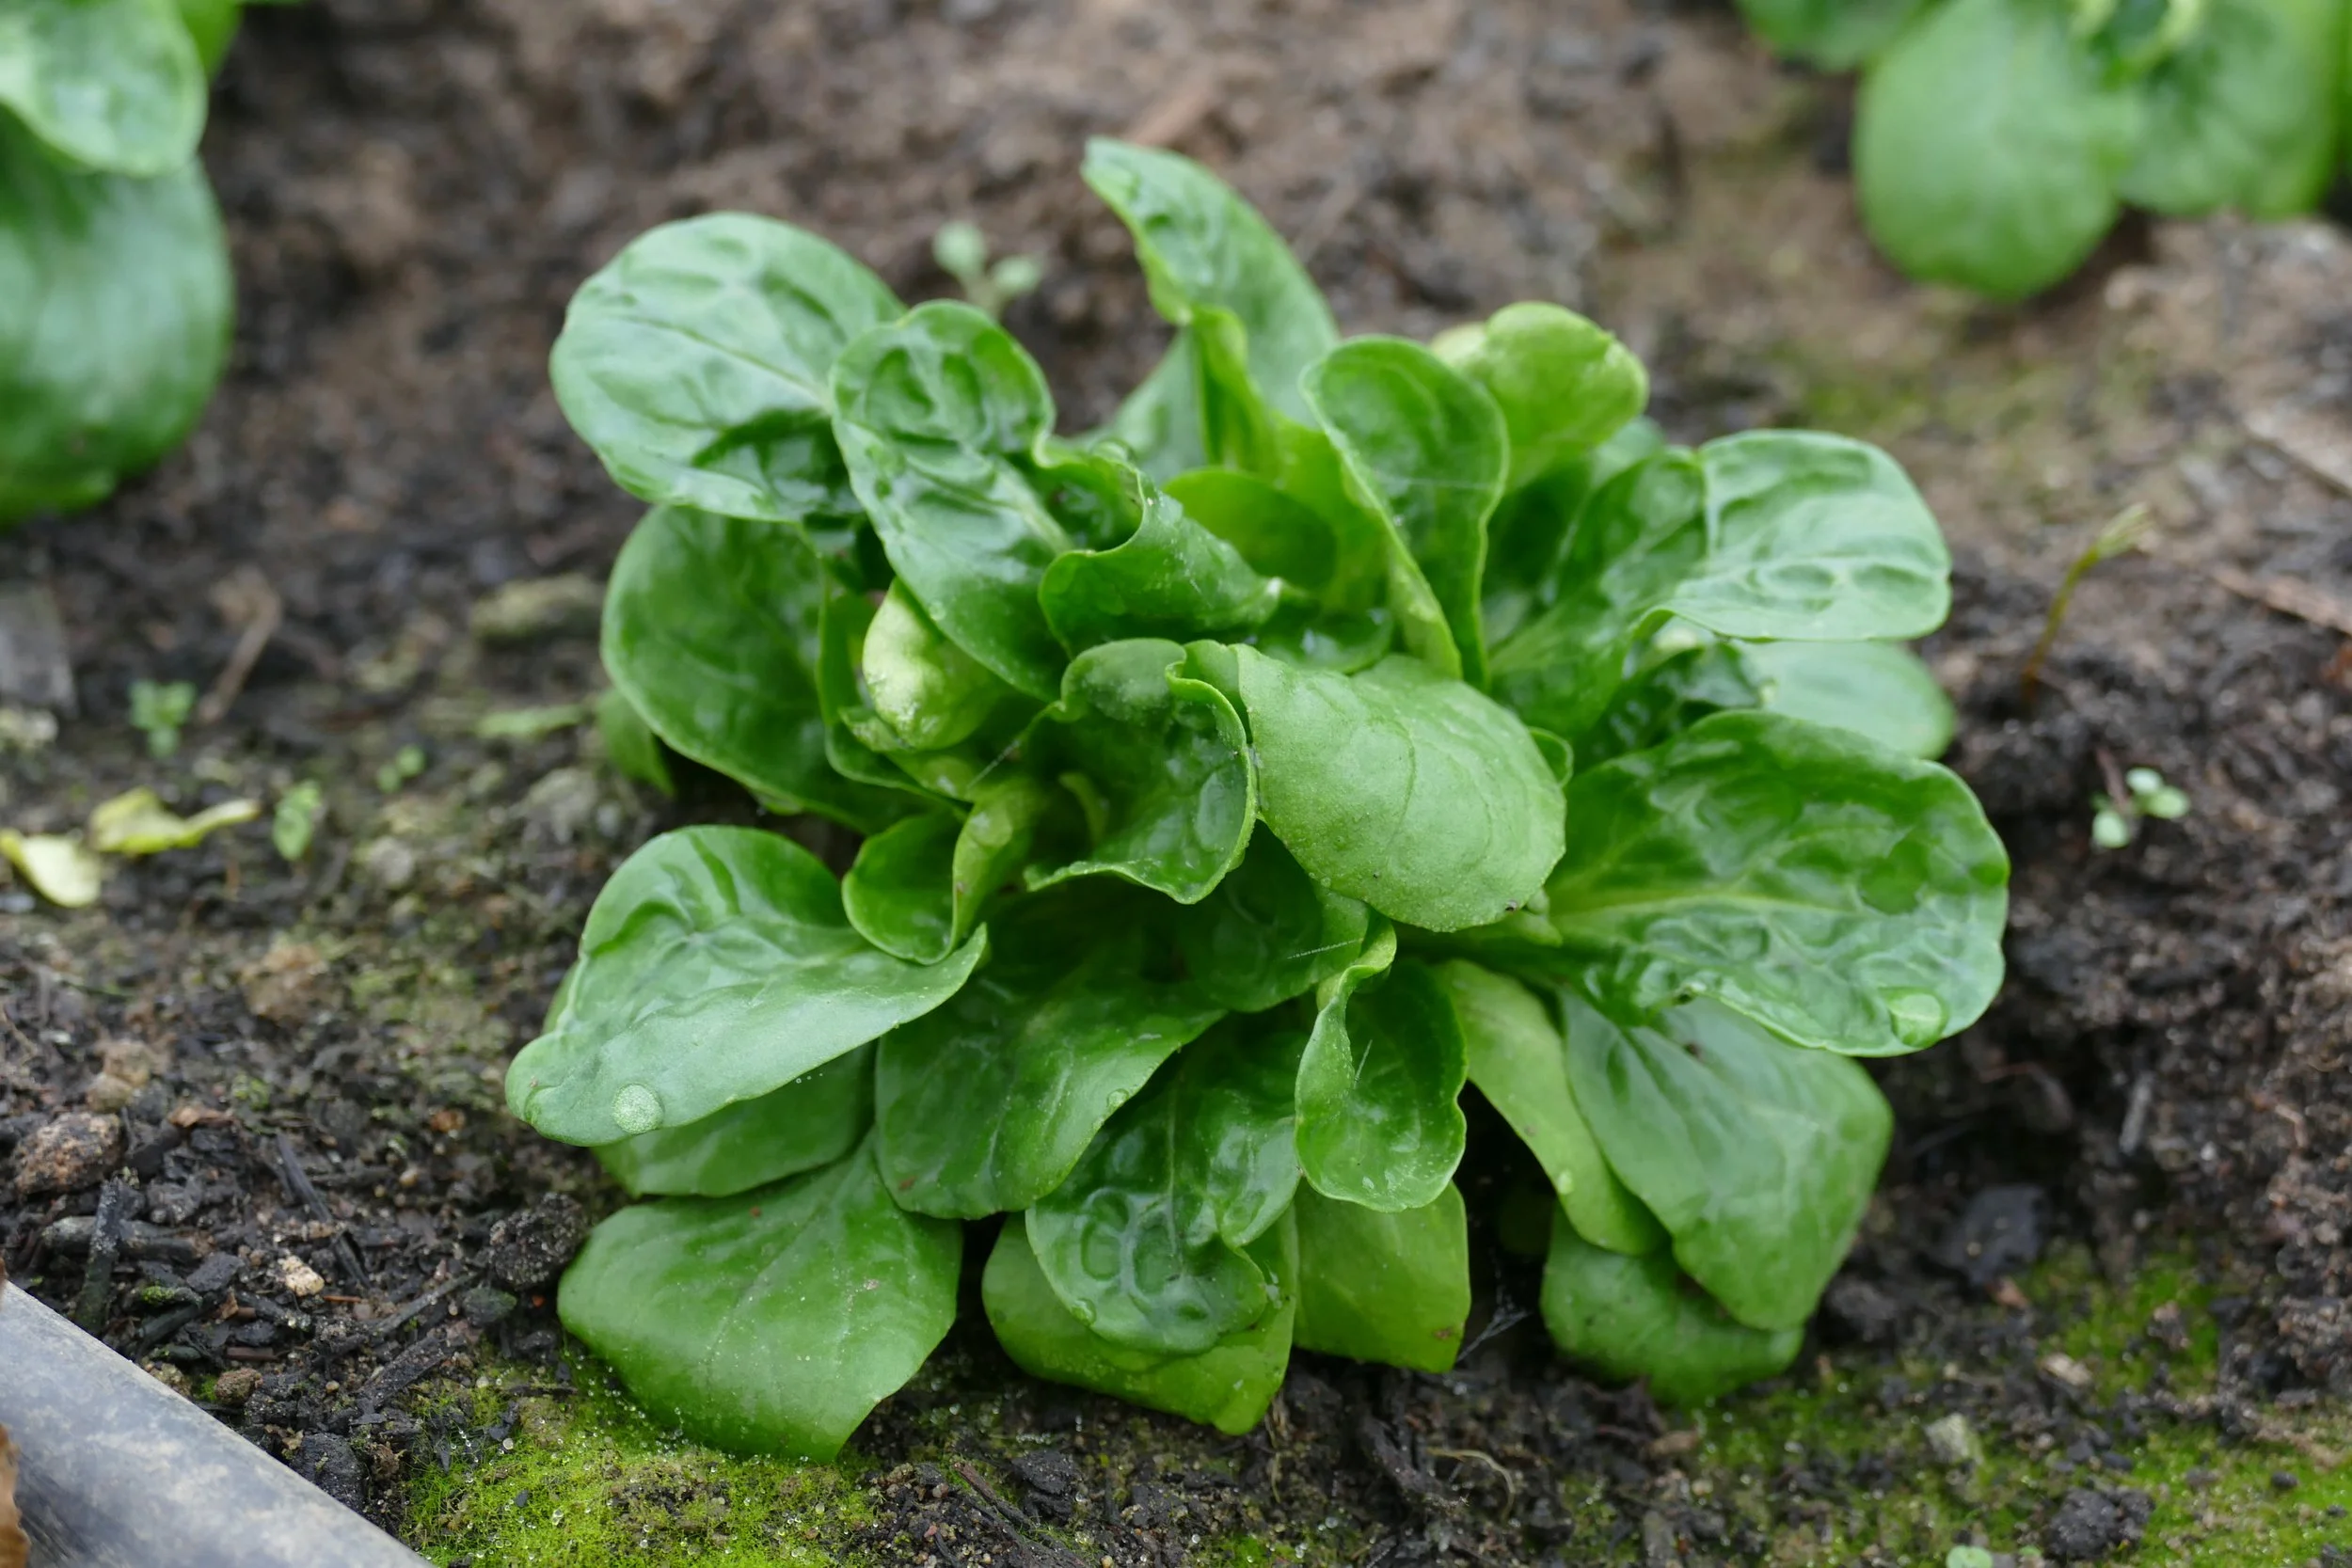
[
  {"x": 1901, "y": 1460},
  {"x": 587, "y": 1479}
]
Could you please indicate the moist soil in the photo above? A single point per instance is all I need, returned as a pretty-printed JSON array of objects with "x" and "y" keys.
[{"x": 250, "y": 1121}]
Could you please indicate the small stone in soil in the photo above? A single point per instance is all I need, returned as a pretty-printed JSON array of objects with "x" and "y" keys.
[
  {"x": 299, "y": 1277},
  {"x": 327, "y": 1461},
  {"x": 1863, "y": 1311},
  {"x": 1953, "y": 1441},
  {"x": 527, "y": 1249},
  {"x": 75, "y": 1152},
  {"x": 1047, "y": 1471},
  {"x": 483, "y": 1305},
  {"x": 235, "y": 1385},
  {"x": 1999, "y": 1232},
  {"x": 2088, "y": 1525}
]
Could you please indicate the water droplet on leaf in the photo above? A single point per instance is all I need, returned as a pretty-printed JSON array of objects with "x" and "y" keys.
[
  {"x": 636, "y": 1109},
  {"x": 1919, "y": 1017}
]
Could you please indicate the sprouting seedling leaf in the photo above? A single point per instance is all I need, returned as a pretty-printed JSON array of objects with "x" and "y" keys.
[
  {"x": 2154, "y": 796},
  {"x": 962, "y": 251},
  {"x": 60, "y": 869},
  {"x": 531, "y": 723},
  {"x": 2140, "y": 793},
  {"x": 2122, "y": 534},
  {"x": 139, "y": 823},
  {"x": 405, "y": 764},
  {"x": 295, "y": 823},
  {"x": 158, "y": 710}
]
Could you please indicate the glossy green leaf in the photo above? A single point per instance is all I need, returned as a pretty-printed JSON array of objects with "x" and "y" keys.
[
  {"x": 928, "y": 690},
  {"x": 629, "y": 742},
  {"x": 1160, "y": 763},
  {"x": 1758, "y": 1157},
  {"x": 1275, "y": 533},
  {"x": 1400, "y": 787},
  {"x": 1338, "y": 642},
  {"x": 1426, "y": 447},
  {"x": 987, "y": 1103},
  {"x": 1159, "y": 422},
  {"x": 114, "y": 311},
  {"x": 1835, "y": 34},
  {"x": 1144, "y": 1240},
  {"x": 1267, "y": 932},
  {"x": 1564, "y": 385},
  {"x": 1518, "y": 1059},
  {"x": 1010, "y": 813},
  {"x": 1379, "y": 1086},
  {"x": 1202, "y": 248},
  {"x": 771, "y": 1320},
  {"x": 2245, "y": 114},
  {"x": 1340, "y": 560},
  {"x": 1988, "y": 145},
  {"x": 1390, "y": 1288},
  {"x": 212, "y": 25},
  {"x": 1637, "y": 1317},
  {"x": 1781, "y": 535},
  {"x": 1527, "y": 539},
  {"x": 1814, "y": 536},
  {"x": 1228, "y": 1388},
  {"x": 813, "y": 1120},
  {"x": 695, "y": 364},
  {"x": 713, "y": 630},
  {"x": 112, "y": 86},
  {"x": 901, "y": 890},
  {"x": 1879, "y": 690},
  {"x": 918, "y": 887},
  {"x": 1839, "y": 893},
  {"x": 716, "y": 966},
  {"x": 843, "y": 627},
  {"x": 1170, "y": 578},
  {"x": 937, "y": 415},
  {"x": 1692, "y": 678}
]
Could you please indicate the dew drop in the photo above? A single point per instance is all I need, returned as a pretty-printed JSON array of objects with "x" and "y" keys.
[
  {"x": 636, "y": 1109},
  {"x": 1919, "y": 1017},
  {"x": 1083, "y": 1311}
]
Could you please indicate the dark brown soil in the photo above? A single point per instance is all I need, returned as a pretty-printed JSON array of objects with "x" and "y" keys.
[{"x": 306, "y": 1059}]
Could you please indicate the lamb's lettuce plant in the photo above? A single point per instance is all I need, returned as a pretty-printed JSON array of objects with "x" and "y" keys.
[
  {"x": 1352, "y": 721},
  {"x": 115, "y": 291},
  {"x": 1995, "y": 141}
]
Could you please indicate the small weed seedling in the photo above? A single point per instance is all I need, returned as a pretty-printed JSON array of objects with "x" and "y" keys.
[
  {"x": 295, "y": 822},
  {"x": 1352, "y": 720},
  {"x": 962, "y": 251},
  {"x": 158, "y": 709},
  {"x": 2116, "y": 814},
  {"x": 405, "y": 764}
]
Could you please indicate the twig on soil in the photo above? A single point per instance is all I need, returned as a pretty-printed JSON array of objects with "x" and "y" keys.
[
  {"x": 298, "y": 1184},
  {"x": 2297, "y": 599},
  {"x": 1476, "y": 1456},
  {"x": 105, "y": 1244},
  {"x": 987, "y": 1494},
  {"x": 2275, "y": 429},
  {"x": 245, "y": 600},
  {"x": 437, "y": 1292},
  {"x": 1173, "y": 117}
]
